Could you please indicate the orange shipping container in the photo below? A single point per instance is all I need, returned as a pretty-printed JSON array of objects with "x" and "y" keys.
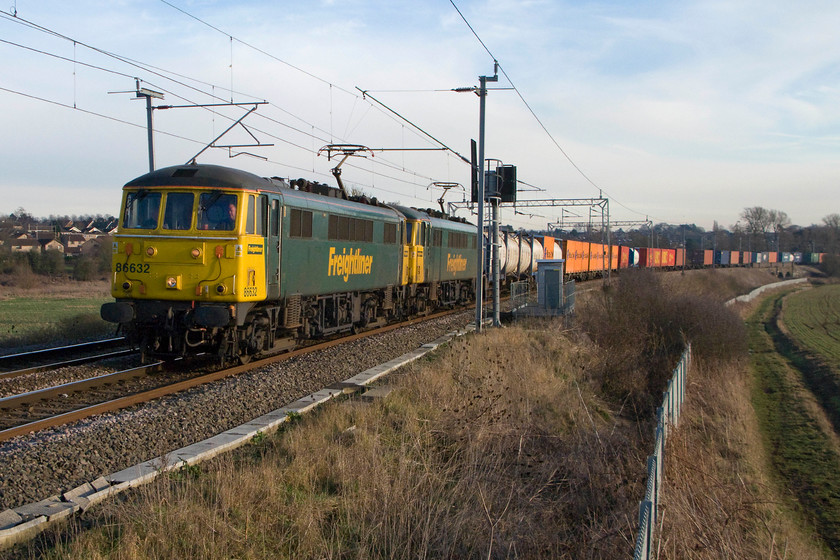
[
  {"x": 548, "y": 247},
  {"x": 624, "y": 260},
  {"x": 650, "y": 258},
  {"x": 597, "y": 257},
  {"x": 576, "y": 254}
]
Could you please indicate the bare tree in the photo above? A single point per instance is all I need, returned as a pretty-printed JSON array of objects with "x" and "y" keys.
[
  {"x": 737, "y": 233},
  {"x": 832, "y": 225},
  {"x": 757, "y": 220},
  {"x": 778, "y": 222}
]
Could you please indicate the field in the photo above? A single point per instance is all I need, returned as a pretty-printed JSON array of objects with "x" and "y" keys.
[
  {"x": 528, "y": 441},
  {"x": 813, "y": 321},
  {"x": 51, "y": 313},
  {"x": 796, "y": 399}
]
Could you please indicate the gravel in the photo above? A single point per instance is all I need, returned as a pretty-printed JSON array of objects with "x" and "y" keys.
[
  {"x": 49, "y": 462},
  {"x": 52, "y": 378}
]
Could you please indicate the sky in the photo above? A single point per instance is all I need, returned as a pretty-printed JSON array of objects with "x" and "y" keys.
[{"x": 677, "y": 112}]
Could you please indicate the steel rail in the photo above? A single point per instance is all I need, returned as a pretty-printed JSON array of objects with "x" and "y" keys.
[
  {"x": 47, "y": 351},
  {"x": 152, "y": 394},
  {"x": 66, "y": 363},
  {"x": 16, "y": 401}
]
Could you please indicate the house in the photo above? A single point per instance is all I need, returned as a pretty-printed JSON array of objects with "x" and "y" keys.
[
  {"x": 72, "y": 242},
  {"x": 92, "y": 245},
  {"x": 24, "y": 245},
  {"x": 51, "y": 245}
]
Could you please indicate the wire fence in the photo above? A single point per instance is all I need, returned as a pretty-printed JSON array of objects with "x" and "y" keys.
[
  {"x": 520, "y": 294},
  {"x": 668, "y": 416}
]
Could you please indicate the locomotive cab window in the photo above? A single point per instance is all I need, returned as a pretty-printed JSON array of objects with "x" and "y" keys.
[
  {"x": 217, "y": 211},
  {"x": 141, "y": 210},
  {"x": 257, "y": 219},
  {"x": 178, "y": 211},
  {"x": 274, "y": 218}
]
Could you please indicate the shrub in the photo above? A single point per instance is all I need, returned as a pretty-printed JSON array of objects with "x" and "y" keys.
[
  {"x": 831, "y": 265},
  {"x": 642, "y": 329}
]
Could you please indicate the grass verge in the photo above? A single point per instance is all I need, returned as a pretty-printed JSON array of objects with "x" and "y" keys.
[
  {"x": 28, "y": 321},
  {"x": 498, "y": 447},
  {"x": 800, "y": 451}
]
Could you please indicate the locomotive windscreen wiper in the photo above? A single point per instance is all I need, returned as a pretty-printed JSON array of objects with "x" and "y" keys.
[
  {"x": 213, "y": 198},
  {"x": 138, "y": 196}
]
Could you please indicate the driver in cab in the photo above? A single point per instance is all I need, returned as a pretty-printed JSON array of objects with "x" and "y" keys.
[{"x": 222, "y": 216}]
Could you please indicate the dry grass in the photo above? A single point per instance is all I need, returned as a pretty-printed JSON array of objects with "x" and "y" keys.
[
  {"x": 524, "y": 442},
  {"x": 29, "y": 284},
  {"x": 718, "y": 499},
  {"x": 484, "y": 452},
  {"x": 719, "y": 283}
]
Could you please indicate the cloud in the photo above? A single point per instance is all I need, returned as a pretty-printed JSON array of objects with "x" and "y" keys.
[{"x": 685, "y": 111}]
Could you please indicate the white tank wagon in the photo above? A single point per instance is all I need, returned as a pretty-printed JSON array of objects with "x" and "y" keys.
[
  {"x": 634, "y": 257},
  {"x": 519, "y": 253}
]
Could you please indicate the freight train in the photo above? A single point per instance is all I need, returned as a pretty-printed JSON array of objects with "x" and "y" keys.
[
  {"x": 209, "y": 259},
  {"x": 585, "y": 260}
]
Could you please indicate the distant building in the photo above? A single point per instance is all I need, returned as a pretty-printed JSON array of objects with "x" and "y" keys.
[
  {"x": 24, "y": 245},
  {"x": 51, "y": 245},
  {"x": 73, "y": 242},
  {"x": 27, "y": 245},
  {"x": 92, "y": 245}
]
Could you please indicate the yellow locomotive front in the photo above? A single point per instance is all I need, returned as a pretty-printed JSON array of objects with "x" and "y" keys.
[
  {"x": 188, "y": 263},
  {"x": 186, "y": 245}
]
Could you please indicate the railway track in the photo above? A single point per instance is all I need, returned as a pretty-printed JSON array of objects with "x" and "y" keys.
[
  {"x": 52, "y": 406},
  {"x": 16, "y": 365},
  {"x": 55, "y": 406}
]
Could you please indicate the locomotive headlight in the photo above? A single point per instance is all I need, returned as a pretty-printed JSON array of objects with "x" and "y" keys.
[
  {"x": 151, "y": 251},
  {"x": 221, "y": 289},
  {"x": 173, "y": 282},
  {"x": 195, "y": 253},
  {"x": 126, "y": 286}
]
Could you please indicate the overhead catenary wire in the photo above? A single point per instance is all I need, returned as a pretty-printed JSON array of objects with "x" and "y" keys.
[
  {"x": 187, "y": 82},
  {"x": 539, "y": 121},
  {"x": 166, "y": 74},
  {"x": 280, "y": 60}
]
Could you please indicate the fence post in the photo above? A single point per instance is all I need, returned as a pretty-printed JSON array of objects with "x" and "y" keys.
[
  {"x": 662, "y": 421},
  {"x": 653, "y": 491}
]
